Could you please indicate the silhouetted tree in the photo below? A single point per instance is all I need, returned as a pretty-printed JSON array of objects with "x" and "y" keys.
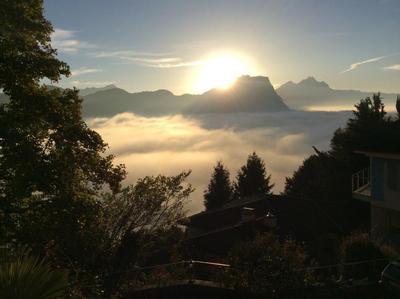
[
  {"x": 252, "y": 178},
  {"x": 219, "y": 189},
  {"x": 52, "y": 166},
  {"x": 140, "y": 219},
  {"x": 366, "y": 130},
  {"x": 325, "y": 177},
  {"x": 398, "y": 106}
]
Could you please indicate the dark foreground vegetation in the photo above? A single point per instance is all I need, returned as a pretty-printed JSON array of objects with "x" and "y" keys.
[{"x": 69, "y": 230}]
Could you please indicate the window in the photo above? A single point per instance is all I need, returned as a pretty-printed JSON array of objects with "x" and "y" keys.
[{"x": 393, "y": 180}]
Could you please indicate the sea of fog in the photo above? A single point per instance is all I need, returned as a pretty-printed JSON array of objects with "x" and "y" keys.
[{"x": 169, "y": 144}]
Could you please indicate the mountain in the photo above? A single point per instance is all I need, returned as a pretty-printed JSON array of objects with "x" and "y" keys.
[
  {"x": 312, "y": 94},
  {"x": 116, "y": 100},
  {"x": 248, "y": 94},
  {"x": 82, "y": 92},
  {"x": 89, "y": 90}
]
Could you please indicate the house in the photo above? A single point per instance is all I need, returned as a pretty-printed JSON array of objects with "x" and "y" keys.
[
  {"x": 210, "y": 234},
  {"x": 379, "y": 184}
]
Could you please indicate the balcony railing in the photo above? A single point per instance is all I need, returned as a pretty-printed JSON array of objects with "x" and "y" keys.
[
  {"x": 360, "y": 180},
  {"x": 218, "y": 275}
]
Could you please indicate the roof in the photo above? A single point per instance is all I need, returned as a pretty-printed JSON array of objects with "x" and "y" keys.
[
  {"x": 233, "y": 204},
  {"x": 229, "y": 213},
  {"x": 384, "y": 155}
]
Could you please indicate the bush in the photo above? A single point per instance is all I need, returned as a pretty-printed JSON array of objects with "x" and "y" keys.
[
  {"x": 264, "y": 265},
  {"x": 357, "y": 248},
  {"x": 22, "y": 275}
]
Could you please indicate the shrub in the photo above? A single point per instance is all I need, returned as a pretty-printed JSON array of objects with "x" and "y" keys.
[
  {"x": 366, "y": 258},
  {"x": 23, "y": 275},
  {"x": 264, "y": 265}
]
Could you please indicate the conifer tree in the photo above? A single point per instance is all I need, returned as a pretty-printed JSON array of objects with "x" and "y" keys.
[
  {"x": 252, "y": 178},
  {"x": 219, "y": 189}
]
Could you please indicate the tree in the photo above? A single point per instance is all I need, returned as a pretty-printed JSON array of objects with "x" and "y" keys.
[
  {"x": 398, "y": 106},
  {"x": 140, "y": 219},
  {"x": 325, "y": 177},
  {"x": 52, "y": 166},
  {"x": 26, "y": 54},
  {"x": 219, "y": 189},
  {"x": 252, "y": 178},
  {"x": 264, "y": 265},
  {"x": 366, "y": 130}
]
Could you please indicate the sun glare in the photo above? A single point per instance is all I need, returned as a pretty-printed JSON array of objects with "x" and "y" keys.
[{"x": 220, "y": 72}]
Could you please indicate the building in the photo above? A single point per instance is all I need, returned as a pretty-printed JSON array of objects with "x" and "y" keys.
[
  {"x": 379, "y": 184},
  {"x": 210, "y": 234}
]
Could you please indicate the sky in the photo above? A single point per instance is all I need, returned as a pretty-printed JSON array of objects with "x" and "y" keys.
[
  {"x": 159, "y": 44},
  {"x": 190, "y": 46}
]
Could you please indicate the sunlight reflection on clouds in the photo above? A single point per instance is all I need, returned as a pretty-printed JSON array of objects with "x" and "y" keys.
[{"x": 170, "y": 144}]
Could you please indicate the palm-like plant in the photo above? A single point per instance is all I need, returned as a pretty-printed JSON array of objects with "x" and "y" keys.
[{"x": 23, "y": 275}]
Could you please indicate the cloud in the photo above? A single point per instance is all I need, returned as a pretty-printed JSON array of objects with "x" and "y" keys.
[
  {"x": 84, "y": 70},
  {"x": 170, "y": 144},
  {"x": 78, "y": 83},
  {"x": 375, "y": 59},
  {"x": 394, "y": 67},
  {"x": 355, "y": 65},
  {"x": 129, "y": 53},
  {"x": 149, "y": 59},
  {"x": 65, "y": 41},
  {"x": 178, "y": 64}
]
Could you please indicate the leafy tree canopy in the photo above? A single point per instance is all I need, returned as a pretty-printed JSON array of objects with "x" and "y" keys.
[
  {"x": 26, "y": 53},
  {"x": 142, "y": 219},
  {"x": 50, "y": 161}
]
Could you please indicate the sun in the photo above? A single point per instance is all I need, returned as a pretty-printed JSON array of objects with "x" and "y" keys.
[{"x": 220, "y": 72}]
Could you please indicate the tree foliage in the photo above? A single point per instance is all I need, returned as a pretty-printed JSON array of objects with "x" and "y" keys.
[
  {"x": 26, "y": 53},
  {"x": 153, "y": 203},
  {"x": 252, "y": 178},
  {"x": 219, "y": 189},
  {"x": 325, "y": 177},
  {"x": 264, "y": 265},
  {"x": 142, "y": 219},
  {"x": 368, "y": 129},
  {"x": 53, "y": 167}
]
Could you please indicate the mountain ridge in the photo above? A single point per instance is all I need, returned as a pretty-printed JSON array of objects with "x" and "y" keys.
[
  {"x": 248, "y": 94},
  {"x": 310, "y": 93}
]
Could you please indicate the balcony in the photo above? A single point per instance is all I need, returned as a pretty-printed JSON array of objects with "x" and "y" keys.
[{"x": 361, "y": 184}]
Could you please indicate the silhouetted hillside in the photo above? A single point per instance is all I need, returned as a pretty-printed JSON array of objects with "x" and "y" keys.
[
  {"x": 249, "y": 94},
  {"x": 310, "y": 93},
  {"x": 89, "y": 90}
]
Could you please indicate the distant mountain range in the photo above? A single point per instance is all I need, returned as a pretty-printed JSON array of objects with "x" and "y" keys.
[
  {"x": 248, "y": 94},
  {"x": 89, "y": 90},
  {"x": 312, "y": 94},
  {"x": 83, "y": 92}
]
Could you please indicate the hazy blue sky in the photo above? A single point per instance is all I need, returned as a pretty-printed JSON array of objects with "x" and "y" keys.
[{"x": 149, "y": 44}]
